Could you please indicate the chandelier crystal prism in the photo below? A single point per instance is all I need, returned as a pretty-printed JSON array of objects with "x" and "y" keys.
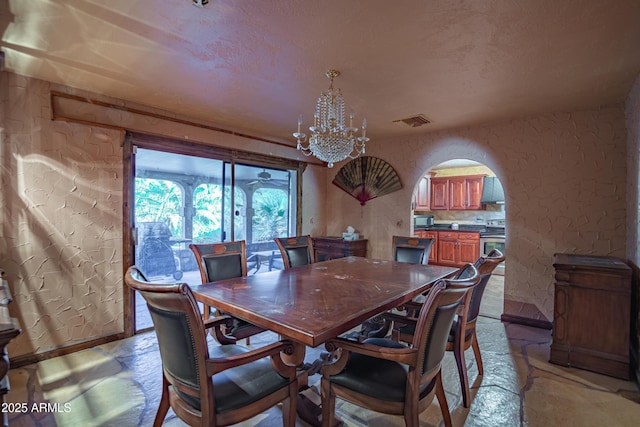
[{"x": 331, "y": 140}]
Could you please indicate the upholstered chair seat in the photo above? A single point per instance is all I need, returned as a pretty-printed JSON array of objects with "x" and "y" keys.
[{"x": 242, "y": 385}]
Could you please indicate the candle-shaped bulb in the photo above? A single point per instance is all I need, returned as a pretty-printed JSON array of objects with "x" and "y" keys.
[
  {"x": 364, "y": 127},
  {"x": 299, "y": 122},
  {"x": 351, "y": 119}
]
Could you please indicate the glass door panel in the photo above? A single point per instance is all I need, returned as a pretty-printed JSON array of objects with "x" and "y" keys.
[
  {"x": 178, "y": 199},
  {"x": 265, "y": 205},
  {"x": 181, "y": 199}
]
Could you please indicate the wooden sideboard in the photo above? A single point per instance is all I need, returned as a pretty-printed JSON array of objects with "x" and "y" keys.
[
  {"x": 592, "y": 314},
  {"x": 327, "y": 247}
]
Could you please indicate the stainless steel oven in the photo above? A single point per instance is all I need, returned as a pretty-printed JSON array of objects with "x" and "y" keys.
[{"x": 494, "y": 238}]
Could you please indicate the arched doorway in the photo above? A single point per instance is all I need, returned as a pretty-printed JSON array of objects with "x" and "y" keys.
[{"x": 465, "y": 196}]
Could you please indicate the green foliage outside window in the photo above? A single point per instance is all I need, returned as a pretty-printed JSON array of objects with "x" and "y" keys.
[
  {"x": 271, "y": 214},
  {"x": 159, "y": 201},
  {"x": 162, "y": 201}
]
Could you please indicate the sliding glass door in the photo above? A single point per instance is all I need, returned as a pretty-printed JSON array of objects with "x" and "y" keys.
[{"x": 181, "y": 199}]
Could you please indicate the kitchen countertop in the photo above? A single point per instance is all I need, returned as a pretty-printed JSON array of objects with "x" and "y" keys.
[{"x": 447, "y": 227}]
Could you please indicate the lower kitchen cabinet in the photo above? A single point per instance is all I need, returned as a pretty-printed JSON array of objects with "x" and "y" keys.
[
  {"x": 327, "y": 248},
  {"x": 457, "y": 248}
]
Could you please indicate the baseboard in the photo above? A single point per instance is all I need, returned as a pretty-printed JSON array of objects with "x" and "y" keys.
[
  {"x": 536, "y": 323},
  {"x": 27, "y": 359}
]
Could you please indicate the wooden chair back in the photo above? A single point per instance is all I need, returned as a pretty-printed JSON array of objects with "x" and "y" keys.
[
  {"x": 296, "y": 250},
  {"x": 219, "y": 261},
  {"x": 181, "y": 340},
  {"x": 463, "y": 334},
  {"x": 433, "y": 327},
  {"x": 373, "y": 373},
  {"x": 485, "y": 265},
  {"x": 188, "y": 386},
  {"x": 414, "y": 250}
]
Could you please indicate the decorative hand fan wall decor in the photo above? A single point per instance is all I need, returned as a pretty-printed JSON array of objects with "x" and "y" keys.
[{"x": 366, "y": 178}]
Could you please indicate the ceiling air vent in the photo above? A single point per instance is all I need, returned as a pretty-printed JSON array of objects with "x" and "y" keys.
[{"x": 413, "y": 122}]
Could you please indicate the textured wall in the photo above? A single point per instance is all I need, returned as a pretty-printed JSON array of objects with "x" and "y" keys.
[
  {"x": 314, "y": 194},
  {"x": 61, "y": 240},
  {"x": 632, "y": 113},
  {"x": 61, "y": 208},
  {"x": 564, "y": 177},
  {"x": 61, "y": 244}
]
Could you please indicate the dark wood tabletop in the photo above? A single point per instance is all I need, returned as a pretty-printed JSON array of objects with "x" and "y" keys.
[{"x": 317, "y": 302}]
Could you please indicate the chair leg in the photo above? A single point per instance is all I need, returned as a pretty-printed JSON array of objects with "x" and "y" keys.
[
  {"x": 442, "y": 401},
  {"x": 412, "y": 413},
  {"x": 289, "y": 407},
  {"x": 458, "y": 352},
  {"x": 164, "y": 404},
  {"x": 328, "y": 404},
  {"x": 476, "y": 352}
]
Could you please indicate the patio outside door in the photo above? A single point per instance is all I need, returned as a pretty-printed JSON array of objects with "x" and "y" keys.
[{"x": 181, "y": 199}]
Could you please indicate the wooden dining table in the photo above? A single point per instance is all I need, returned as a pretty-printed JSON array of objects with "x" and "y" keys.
[{"x": 314, "y": 303}]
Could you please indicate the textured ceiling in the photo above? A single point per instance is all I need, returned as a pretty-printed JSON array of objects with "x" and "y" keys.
[{"x": 254, "y": 65}]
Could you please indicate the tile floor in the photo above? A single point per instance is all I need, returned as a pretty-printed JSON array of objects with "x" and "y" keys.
[{"x": 118, "y": 384}]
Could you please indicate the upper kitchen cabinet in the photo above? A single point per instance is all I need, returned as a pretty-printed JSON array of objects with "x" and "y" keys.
[
  {"x": 439, "y": 193},
  {"x": 421, "y": 202},
  {"x": 457, "y": 193}
]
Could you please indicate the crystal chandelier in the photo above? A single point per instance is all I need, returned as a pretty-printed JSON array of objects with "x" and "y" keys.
[{"x": 331, "y": 140}]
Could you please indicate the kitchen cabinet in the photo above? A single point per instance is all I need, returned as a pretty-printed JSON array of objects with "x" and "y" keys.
[
  {"x": 425, "y": 234},
  {"x": 457, "y": 193},
  {"x": 326, "y": 248},
  {"x": 439, "y": 194},
  {"x": 473, "y": 187},
  {"x": 457, "y": 248},
  {"x": 592, "y": 314},
  {"x": 421, "y": 202}
]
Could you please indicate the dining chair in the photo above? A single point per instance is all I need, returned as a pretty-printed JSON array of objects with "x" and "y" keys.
[
  {"x": 463, "y": 331},
  {"x": 296, "y": 250},
  {"x": 219, "y": 261},
  {"x": 414, "y": 250},
  {"x": 390, "y": 377},
  {"x": 218, "y": 385},
  {"x": 464, "y": 327}
]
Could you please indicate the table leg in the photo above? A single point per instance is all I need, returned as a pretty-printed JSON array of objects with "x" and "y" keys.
[{"x": 309, "y": 402}]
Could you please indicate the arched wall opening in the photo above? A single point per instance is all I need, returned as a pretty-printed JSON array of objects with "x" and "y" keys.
[{"x": 483, "y": 214}]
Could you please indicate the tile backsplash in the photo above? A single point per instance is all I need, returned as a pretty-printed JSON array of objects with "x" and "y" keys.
[{"x": 467, "y": 217}]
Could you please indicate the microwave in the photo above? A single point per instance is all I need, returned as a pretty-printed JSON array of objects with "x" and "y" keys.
[{"x": 421, "y": 221}]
